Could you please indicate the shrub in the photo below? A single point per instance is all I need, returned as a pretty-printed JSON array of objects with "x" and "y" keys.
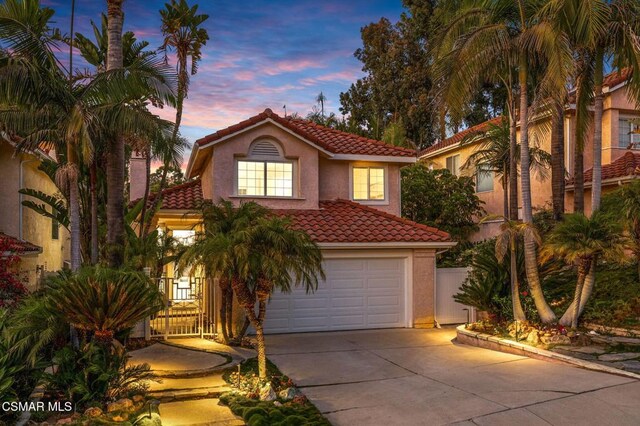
[{"x": 12, "y": 288}]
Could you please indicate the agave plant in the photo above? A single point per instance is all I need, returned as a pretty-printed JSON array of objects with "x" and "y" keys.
[{"x": 104, "y": 301}]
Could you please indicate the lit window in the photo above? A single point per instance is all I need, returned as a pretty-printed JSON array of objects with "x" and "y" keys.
[
  {"x": 368, "y": 183},
  {"x": 453, "y": 165},
  {"x": 260, "y": 178},
  {"x": 629, "y": 133},
  {"x": 484, "y": 178},
  {"x": 184, "y": 236}
]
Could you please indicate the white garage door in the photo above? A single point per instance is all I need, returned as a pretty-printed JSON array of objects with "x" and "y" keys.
[{"x": 357, "y": 294}]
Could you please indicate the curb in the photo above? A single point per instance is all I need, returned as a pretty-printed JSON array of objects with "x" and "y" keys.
[{"x": 486, "y": 341}]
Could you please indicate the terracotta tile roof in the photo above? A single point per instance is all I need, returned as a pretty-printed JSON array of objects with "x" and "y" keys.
[
  {"x": 617, "y": 77},
  {"x": 627, "y": 165},
  {"x": 457, "y": 138},
  {"x": 342, "y": 221},
  {"x": 186, "y": 196},
  {"x": 331, "y": 140},
  {"x": 18, "y": 246}
]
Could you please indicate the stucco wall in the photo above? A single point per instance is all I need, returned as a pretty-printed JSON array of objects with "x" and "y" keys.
[
  {"x": 35, "y": 228},
  {"x": 335, "y": 183},
  {"x": 304, "y": 156},
  {"x": 424, "y": 275}
]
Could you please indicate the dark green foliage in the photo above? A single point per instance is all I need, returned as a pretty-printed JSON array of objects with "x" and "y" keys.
[
  {"x": 95, "y": 374},
  {"x": 438, "y": 198},
  {"x": 488, "y": 283},
  {"x": 256, "y": 412}
]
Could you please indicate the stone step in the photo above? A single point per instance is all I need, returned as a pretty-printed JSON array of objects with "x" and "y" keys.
[
  {"x": 188, "y": 388},
  {"x": 197, "y": 412}
]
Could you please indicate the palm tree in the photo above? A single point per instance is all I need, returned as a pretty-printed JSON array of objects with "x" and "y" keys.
[
  {"x": 279, "y": 257},
  {"x": 182, "y": 31},
  {"x": 510, "y": 232},
  {"x": 115, "y": 146},
  {"x": 40, "y": 105},
  {"x": 582, "y": 241},
  {"x": 480, "y": 38},
  {"x": 221, "y": 233},
  {"x": 494, "y": 155},
  {"x": 321, "y": 99}
]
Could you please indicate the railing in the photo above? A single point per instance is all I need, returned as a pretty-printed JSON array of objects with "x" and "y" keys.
[{"x": 188, "y": 308}]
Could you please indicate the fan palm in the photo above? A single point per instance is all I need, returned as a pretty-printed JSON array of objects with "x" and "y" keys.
[
  {"x": 104, "y": 301},
  {"x": 494, "y": 155},
  {"x": 582, "y": 240}
]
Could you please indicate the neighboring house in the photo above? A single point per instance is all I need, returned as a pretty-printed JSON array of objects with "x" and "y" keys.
[
  {"x": 43, "y": 243},
  {"x": 344, "y": 190},
  {"x": 620, "y": 154}
]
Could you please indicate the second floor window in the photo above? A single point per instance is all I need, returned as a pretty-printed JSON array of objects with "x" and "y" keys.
[
  {"x": 265, "y": 178},
  {"x": 484, "y": 178},
  {"x": 628, "y": 135},
  {"x": 453, "y": 165},
  {"x": 368, "y": 183}
]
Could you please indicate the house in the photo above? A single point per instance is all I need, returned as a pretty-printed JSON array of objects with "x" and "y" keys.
[
  {"x": 344, "y": 190},
  {"x": 41, "y": 243},
  {"x": 620, "y": 154}
]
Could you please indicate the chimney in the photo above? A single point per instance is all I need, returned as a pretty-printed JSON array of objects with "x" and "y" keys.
[{"x": 137, "y": 175}]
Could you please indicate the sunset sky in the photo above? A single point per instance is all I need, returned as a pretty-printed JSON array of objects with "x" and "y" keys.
[{"x": 261, "y": 53}]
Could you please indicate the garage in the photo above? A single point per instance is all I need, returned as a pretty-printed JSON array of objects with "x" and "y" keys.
[{"x": 358, "y": 293}]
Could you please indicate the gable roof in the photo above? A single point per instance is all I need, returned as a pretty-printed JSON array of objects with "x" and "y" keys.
[
  {"x": 458, "y": 137},
  {"x": 342, "y": 221},
  {"x": 331, "y": 140},
  {"x": 186, "y": 196},
  {"x": 18, "y": 246},
  {"x": 626, "y": 166}
]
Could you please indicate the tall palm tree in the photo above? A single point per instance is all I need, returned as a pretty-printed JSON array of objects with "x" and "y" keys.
[
  {"x": 115, "y": 146},
  {"x": 510, "y": 232},
  {"x": 582, "y": 241},
  {"x": 321, "y": 99},
  {"x": 494, "y": 154},
  {"x": 183, "y": 34},
  {"x": 483, "y": 33}
]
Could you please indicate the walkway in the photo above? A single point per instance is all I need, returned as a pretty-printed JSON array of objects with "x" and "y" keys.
[
  {"x": 420, "y": 377},
  {"x": 190, "y": 371}
]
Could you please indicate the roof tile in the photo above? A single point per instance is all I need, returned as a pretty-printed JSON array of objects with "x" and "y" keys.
[
  {"x": 186, "y": 196},
  {"x": 342, "y": 221},
  {"x": 334, "y": 141},
  {"x": 627, "y": 165},
  {"x": 18, "y": 246}
]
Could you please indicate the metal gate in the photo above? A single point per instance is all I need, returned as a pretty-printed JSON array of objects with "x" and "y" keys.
[
  {"x": 448, "y": 282},
  {"x": 188, "y": 308}
]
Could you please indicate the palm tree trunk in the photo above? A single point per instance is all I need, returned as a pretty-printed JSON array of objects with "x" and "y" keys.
[
  {"x": 115, "y": 151},
  {"x": 229, "y": 320},
  {"x": 513, "y": 164},
  {"x": 518, "y": 312},
  {"x": 596, "y": 183},
  {"x": 223, "y": 315},
  {"x": 531, "y": 261},
  {"x": 583, "y": 267},
  {"x": 578, "y": 159},
  {"x": 589, "y": 283},
  {"x": 262, "y": 354},
  {"x": 94, "y": 212},
  {"x": 145, "y": 197},
  {"x": 505, "y": 192},
  {"x": 74, "y": 218},
  {"x": 557, "y": 162}
]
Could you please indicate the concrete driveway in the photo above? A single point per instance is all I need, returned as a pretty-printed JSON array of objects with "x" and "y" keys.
[{"x": 421, "y": 377}]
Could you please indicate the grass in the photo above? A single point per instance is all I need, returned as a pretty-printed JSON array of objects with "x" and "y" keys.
[{"x": 272, "y": 413}]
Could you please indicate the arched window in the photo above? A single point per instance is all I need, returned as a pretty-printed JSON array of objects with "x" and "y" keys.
[{"x": 265, "y": 172}]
